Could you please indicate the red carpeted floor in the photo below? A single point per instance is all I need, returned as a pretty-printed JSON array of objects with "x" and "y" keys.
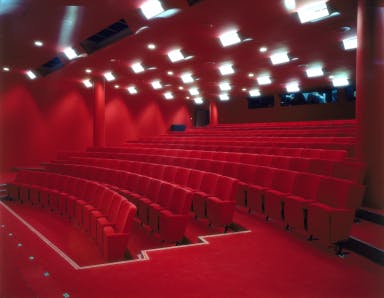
[{"x": 266, "y": 262}]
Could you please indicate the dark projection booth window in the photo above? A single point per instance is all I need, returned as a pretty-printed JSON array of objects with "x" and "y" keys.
[
  {"x": 350, "y": 93},
  {"x": 322, "y": 96},
  {"x": 261, "y": 102}
]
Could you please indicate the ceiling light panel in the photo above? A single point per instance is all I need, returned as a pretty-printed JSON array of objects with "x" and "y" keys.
[
  {"x": 226, "y": 69},
  {"x": 132, "y": 90},
  {"x": 350, "y": 43},
  {"x": 187, "y": 77},
  {"x": 314, "y": 71},
  {"x": 168, "y": 95},
  {"x": 194, "y": 91},
  {"x": 151, "y": 8},
  {"x": 137, "y": 67},
  {"x": 279, "y": 58},
  {"x": 6, "y": 68},
  {"x": 198, "y": 100},
  {"x": 313, "y": 12},
  {"x": 224, "y": 97},
  {"x": 290, "y": 4},
  {"x": 70, "y": 53},
  {"x": 38, "y": 43},
  {"x": 156, "y": 84},
  {"x": 175, "y": 55},
  {"x": 229, "y": 38},
  {"x": 292, "y": 86},
  {"x": 254, "y": 92},
  {"x": 225, "y": 86},
  {"x": 264, "y": 80},
  {"x": 109, "y": 76},
  {"x": 31, "y": 75},
  {"x": 87, "y": 83},
  {"x": 340, "y": 81}
]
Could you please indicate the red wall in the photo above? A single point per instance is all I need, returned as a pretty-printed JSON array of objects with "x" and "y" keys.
[{"x": 39, "y": 118}]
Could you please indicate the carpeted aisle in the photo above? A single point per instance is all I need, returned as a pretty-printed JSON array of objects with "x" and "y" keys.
[{"x": 267, "y": 262}]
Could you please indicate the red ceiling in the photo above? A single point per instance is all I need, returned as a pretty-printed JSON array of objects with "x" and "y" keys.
[{"x": 195, "y": 30}]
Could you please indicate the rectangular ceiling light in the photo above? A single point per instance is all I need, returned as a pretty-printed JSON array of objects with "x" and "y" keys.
[
  {"x": 168, "y": 95},
  {"x": 224, "y": 97},
  {"x": 226, "y": 69},
  {"x": 290, "y": 4},
  {"x": 254, "y": 92},
  {"x": 175, "y": 55},
  {"x": 156, "y": 84},
  {"x": 31, "y": 75},
  {"x": 229, "y": 38},
  {"x": 264, "y": 80},
  {"x": 225, "y": 86},
  {"x": 340, "y": 82},
  {"x": 350, "y": 43},
  {"x": 313, "y": 12},
  {"x": 194, "y": 91},
  {"x": 279, "y": 58},
  {"x": 87, "y": 83},
  {"x": 292, "y": 87},
  {"x": 137, "y": 67},
  {"x": 314, "y": 71},
  {"x": 109, "y": 76},
  {"x": 187, "y": 77},
  {"x": 70, "y": 53},
  {"x": 151, "y": 8},
  {"x": 132, "y": 90},
  {"x": 198, "y": 100}
]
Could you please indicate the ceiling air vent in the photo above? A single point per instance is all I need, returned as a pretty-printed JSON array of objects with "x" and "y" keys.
[
  {"x": 106, "y": 36},
  {"x": 193, "y": 2},
  {"x": 51, "y": 66}
]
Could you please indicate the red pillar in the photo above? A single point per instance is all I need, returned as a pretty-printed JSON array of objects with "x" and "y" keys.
[
  {"x": 99, "y": 114},
  {"x": 370, "y": 97},
  {"x": 213, "y": 113}
]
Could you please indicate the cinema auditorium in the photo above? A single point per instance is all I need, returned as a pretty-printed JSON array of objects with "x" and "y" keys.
[{"x": 191, "y": 148}]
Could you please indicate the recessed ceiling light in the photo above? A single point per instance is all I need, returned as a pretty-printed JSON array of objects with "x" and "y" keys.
[
  {"x": 251, "y": 75},
  {"x": 314, "y": 71},
  {"x": 229, "y": 38},
  {"x": 170, "y": 73},
  {"x": 340, "y": 81},
  {"x": 38, "y": 43},
  {"x": 88, "y": 70},
  {"x": 137, "y": 67},
  {"x": 116, "y": 86},
  {"x": 151, "y": 46},
  {"x": 156, "y": 84},
  {"x": 175, "y": 55},
  {"x": 254, "y": 92},
  {"x": 290, "y": 4},
  {"x": 198, "y": 100},
  {"x": 70, "y": 53},
  {"x": 6, "y": 68},
  {"x": 132, "y": 90},
  {"x": 225, "y": 86},
  {"x": 244, "y": 89},
  {"x": 187, "y": 77},
  {"x": 263, "y": 49},
  {"x": 109, "y": 76},
  {"x": 350, "y": 43},
  {"x": 181, "y": 88},
  {"x": 224, "y": 96},
  {"x": 226, "y": 69},
  {"x": 87, "y": 83},
  {"x": 187, "y": 97},
  {"x": 194, "y": 91},
  {"x": 31, "y": 75},
  {"x": 313, "y": 12},
  {"x": 264, "y": 80},
  {"x": 151, "y": 8},
  {"x": 279, "y": 58},
  {"x": 168, "y": 95},
  {"x": 292, "y": 86}
]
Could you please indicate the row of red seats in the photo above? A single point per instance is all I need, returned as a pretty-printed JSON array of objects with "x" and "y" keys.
[
  {"x": 162, "y": 205},
  {"x": 244, "y": 146},
  {"x": 284, "y": 151},
  {"x": 102, "y": 212},
  {"x": 350, "y": 170},
  {"x": 323, "y": 206},
  {"x": 213, "y": 194}
]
